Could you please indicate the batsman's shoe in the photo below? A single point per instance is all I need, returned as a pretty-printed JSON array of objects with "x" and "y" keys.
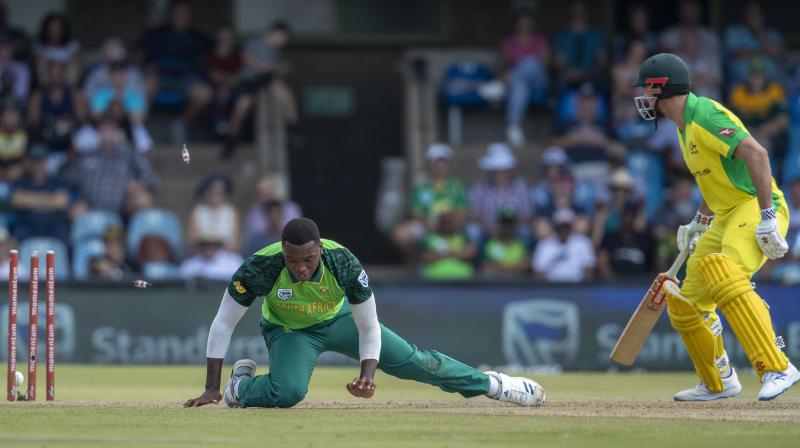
[
  {"x": 518, "y": 390},
  {"x": 776, "y": 383},
  {"x": 730, "y": 388},
  {"x": 243, "y": 368}
]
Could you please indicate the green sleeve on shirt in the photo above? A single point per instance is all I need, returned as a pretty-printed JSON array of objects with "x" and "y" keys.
[
  {"x": 349, "y": 273},
  {"x": 255, "y": 277},
  {"x": 726, "y": 133}
]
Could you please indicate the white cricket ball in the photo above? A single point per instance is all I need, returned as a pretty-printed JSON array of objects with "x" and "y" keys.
[{"x": 19, "y": 378}]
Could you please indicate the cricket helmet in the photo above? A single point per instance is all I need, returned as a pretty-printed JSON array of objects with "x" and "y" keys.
[{"x": 664, "y": 70}]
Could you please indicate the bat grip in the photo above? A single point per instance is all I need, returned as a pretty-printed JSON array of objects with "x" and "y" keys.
[{"x": 682, "y": 256}]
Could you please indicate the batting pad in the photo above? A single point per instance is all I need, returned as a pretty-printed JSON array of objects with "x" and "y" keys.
[
  {"x": 697, "y": 336},
  {"x": 745, "y": 311}
]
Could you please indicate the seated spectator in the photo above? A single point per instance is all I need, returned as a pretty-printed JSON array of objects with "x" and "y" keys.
[
  {"x": 608, "y": 218},
  {"x": 447, "y": 254},
  {"x": 15, "y": 76},
  {"x": 224, "y": 70},
  {"x": 118, "y": 89},
  {"x": 567, "y": 256},
  {"x": 13, "y": 137},
  {"x": 211, "y": 261},
  {"x": 698, "y": 46},
  {"x": 111, "y": 265},
  {"x": 638, "y": 30},
  {"x": 42, "y": 203},
  {"x": 579, "y": 50},
  {"x": 500, "y": 189},
  {"x": 558, "y": 188},
  {"x": 267, "y": 216},
  {"x": 262, "y": 56},
  {"x": 214, "y": 215},
  {"x": 506, "y": 254},
  {"x": 56, "y": 45},
  {"x": 113, "y": 175},
  {"x": 749, "y": 40},
  {"x": 87, "y": 137},
  {"x": 587, "y": 140},
  {"x": 154, "y": 249},
  {"x": 55, "y": 111},
  {"x": 679, "y": 206},
  {"x": 437, "y": 194},
  {"x": 761, "y": 105},
  {"x": 11, "y": 170},
  {"x": 526, "y": 55},
  {"x": 176, "y": 51},
  {"x": 628, "y": 251},
  {"x": 625, "y": 119},
  {"x": 99, "y": 74}
]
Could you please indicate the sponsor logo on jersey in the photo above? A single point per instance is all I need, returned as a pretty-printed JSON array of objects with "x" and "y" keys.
[
  {"x": 726, "y": 132},
  {"x": 363, "y": 279},
  {"x": 284, "y": 293},
  {"x": 323, "y": 291},
  {"x": 692, "y": 148},
  {"x": 239, "y": 287},
  {"x": 702, "y": 172}
]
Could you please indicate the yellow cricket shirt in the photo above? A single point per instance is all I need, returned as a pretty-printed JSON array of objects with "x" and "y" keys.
[{"x": 711, "y": 136}]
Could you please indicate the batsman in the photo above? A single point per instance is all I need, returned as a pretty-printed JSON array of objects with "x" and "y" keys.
[
  {"x": 742, "y": 221},
  {"x": 317, "y": 298}
]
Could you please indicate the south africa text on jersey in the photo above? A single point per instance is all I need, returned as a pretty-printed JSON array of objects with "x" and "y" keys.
[{"x": 307, "y": 308}]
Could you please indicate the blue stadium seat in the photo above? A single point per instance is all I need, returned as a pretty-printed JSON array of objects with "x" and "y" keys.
[
  {"x": 93, "y": 224},
  {"x": 43, "y": 244},
  {"x": 460, "y": 89},
  {"x": 158, "y": 222},
  {"x": 160, "y": 270},
  {"x": 83, "y": 254}
]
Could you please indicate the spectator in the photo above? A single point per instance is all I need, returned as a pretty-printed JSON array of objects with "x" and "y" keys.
[
  {"x": 505, "y": 253},
  {"x": 261, "y": 58},
  {"x": 262, "y": 226},
  {"x": 624, "y": 74},
  {"x": 447, "y": 254},
  {"x": 177, "y": 51},
  {"x": 113, "y": 176},
  {"x": 628, "y": 251},
  {"x": 558, "y": 189},
  {"x": 761, "y": 105},
  {"x": 211, "y": 261},
  {"x": 13, "y": 138},
  {"x": 753, "y": 39},
  {"x": 437, "y": 194},
  {"x": 608, "y": 218},
  {"x": 15, "y": 77},
  {"x": 11, "y": 166},
  {"x": 638, "y": 30},
  {"x": 16, "y": 35},
  {"x": 579, "y": 50},
  {"x": 224, "y": 70},
  {"x": 214, "y": 215},
  {"x": 55, "y": 111},
  {"x": 698, "y": 46},
  {"x": 567, "y": 256},
  {"x": 56, "y": 45},
  {"x": 99, "y": 74},
  {"x": 154, "y": 250},
  {"x": 111, "y": 265},
  {"x": 679, "y": 206},
  {"x": 526, "y": 54},
  {"x": 118, "y": 89},
  {"x": 43, "y": 203},
  {"x": 500, "y": 189}
]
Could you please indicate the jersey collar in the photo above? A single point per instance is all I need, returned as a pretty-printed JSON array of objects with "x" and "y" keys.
[
  {"x": 688, "y": 109},
  {"x": 314, "y": 278}
]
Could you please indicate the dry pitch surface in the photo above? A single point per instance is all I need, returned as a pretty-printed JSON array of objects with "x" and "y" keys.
[{"x": 140, "y": 406}]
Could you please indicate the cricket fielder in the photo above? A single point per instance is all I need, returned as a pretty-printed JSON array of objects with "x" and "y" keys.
[
  {"x": 306, "y": 282},
  {"x": 742, "y": 220}
]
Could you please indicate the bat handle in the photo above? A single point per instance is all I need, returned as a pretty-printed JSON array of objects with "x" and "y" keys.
[{"x": 682, "y": 256}]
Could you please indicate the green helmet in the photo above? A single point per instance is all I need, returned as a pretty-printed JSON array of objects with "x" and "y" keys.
[{"x": 663, "y": 70}]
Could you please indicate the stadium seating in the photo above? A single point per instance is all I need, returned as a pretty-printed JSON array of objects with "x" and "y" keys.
[
  {"x": 93, "y": 224},
  {"x": 159, "y": 222},
  {"x": 42, "y": 245},
  {"x": 459, "y": 90},
  {"x": 83, "y": 254},
  {"x": 158, "y": 270}
]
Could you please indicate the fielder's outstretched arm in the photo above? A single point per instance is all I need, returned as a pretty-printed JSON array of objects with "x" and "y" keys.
[{"x": 228, "y": 316}]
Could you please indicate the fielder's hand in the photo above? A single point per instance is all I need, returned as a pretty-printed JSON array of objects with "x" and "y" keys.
[
  {"x": 769, "y": 238},
  {"x": 698, "y": 226},
  {"x": 210, "y": 396},
  {"x": 362, "y": 387}
]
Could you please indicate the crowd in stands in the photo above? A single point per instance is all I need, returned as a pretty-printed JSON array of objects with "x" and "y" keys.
[
  {"x": 613, "y": 188},
  {"x": 76, "y": 172}
]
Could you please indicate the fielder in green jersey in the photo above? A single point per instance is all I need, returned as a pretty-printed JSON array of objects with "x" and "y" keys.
[{"x": 316, "y": 298}]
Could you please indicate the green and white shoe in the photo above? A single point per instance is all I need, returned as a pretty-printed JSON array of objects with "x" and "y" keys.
[{"x": 243, "y": 368}]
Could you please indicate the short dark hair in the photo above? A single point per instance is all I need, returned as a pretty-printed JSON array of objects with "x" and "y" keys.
[{"x": 300, "y": 231}]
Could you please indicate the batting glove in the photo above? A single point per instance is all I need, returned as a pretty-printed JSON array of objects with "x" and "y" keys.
[
  {"x": 769, "y": 238},
  {"x": 698, "y": 226}
]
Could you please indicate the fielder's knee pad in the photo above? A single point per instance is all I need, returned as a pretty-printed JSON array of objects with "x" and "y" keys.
[
  {"x": 698, "y": 335},
  {"x": 730, "y": 288}
]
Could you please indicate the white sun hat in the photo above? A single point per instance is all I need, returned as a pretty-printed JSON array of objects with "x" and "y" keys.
[
  {"x": 439, "y": 151},
  {"x": 498, "y": 158}
]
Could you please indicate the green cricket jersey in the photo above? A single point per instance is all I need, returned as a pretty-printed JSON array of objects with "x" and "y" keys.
[{"x": 297, "y": 304}]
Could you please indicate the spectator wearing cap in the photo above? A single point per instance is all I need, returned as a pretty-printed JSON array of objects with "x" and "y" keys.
[
  {"x": 267, "y": 216},
  {"x": 627, "y": 252},
  {"x": 15, "y": 76},
  {"x": 499, "y": 189},
  {"x": 436, "y": 194},
  {"x": 214, "y": 215},
  {"x": 447, "y": 253},
  {"x": 504, "y": 253},
  {"x": 56, "y": 44},
  {"x": 752, "y": 39},
  {"x": 566, "y": 256},
  {"x": 609, "y": 215},
  {"x": 211, "y": 260},
  {"x": 44, "y": 204}
]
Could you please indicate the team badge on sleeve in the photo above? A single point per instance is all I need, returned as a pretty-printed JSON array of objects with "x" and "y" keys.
[
  {"x": 284, "y": 293},
  {"x": 363, "y": 279},
  {"x": 237, "y": 285},
  {"x": 727, "y": 132}
]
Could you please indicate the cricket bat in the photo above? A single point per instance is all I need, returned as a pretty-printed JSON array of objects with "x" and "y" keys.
[{"x": 646, "y": 315}]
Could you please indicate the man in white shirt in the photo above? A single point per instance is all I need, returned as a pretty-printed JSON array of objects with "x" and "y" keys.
[
  {"x": 566, "y": 256},
  {"x": 211, "y": 261}
]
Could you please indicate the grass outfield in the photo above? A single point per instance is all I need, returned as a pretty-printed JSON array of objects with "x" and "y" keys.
[{"x": 140, "y": 406}]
